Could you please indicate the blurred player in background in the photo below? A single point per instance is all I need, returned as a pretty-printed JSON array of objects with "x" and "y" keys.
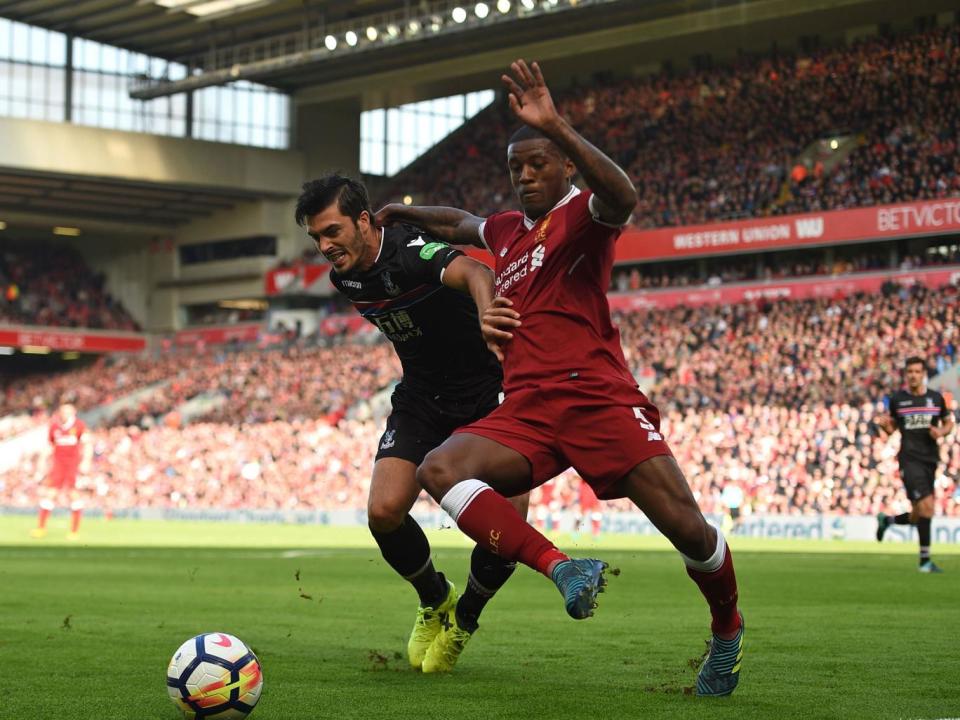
[
  {"x": 424, "y": 296},
  {"x": 589, "y": 517},
  {"x": 923, "y": 418},
  {"x": 570, "y": 397},
  {"x": 71, "y": 454},
  {"x": 732, "y": 499}
]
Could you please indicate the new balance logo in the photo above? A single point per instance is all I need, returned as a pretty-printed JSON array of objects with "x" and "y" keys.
[
  {"x": 651, "y": 436},
  {"x": 809, "y": 227},
  {"x": 536, "y": 259}
]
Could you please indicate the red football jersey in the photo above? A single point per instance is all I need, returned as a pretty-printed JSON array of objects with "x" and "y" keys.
[
  {"x": 65, "y": 439},
  {"x": 557, "y": 271}
]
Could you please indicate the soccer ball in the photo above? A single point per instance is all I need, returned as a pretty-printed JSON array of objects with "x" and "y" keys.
[{"x": 214, "y": 676}]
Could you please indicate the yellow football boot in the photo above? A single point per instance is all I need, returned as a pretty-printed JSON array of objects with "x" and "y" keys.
[
  {"x": 428, "y": 624},
  {"x": 446, "y": 647}
]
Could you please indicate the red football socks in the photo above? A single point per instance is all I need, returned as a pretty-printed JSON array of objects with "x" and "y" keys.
[
  {"x": 719, "y": 587},
  {"x": 494, "y": 524},
  {"x": 42, "y": 518}
]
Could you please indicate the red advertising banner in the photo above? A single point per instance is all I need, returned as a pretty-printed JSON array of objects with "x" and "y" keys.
[
  {"x": 816, "y": 287},
  {"x": 931, "y": 217},
  {"x": 90, "y": 341},
  {"x": 241, "y": 332},
  {"x": 299, "y": 279}
]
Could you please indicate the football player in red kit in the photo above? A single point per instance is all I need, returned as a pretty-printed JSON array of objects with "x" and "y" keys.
[
  {"x": 71, "y": 454},
  {"x": 570, "y": 398}
]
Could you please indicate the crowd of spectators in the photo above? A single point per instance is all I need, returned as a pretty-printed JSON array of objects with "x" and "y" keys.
[
  {"x": 774, "y": 397},
  {"x": 722, "y": 143},
  {"x": 787, "y": 460},
  {"x": 296, "y": 382},
  {"x": 50, "y": 285},
  {"x": 791, "y": 353},
  {"x": 765, "y": 267},
  {"x": 107, "y": 379}
]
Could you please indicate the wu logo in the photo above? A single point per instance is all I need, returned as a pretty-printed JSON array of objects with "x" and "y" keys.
[
  {"x": 536, "y": 259},
  {"x": 809, "y": 227}
]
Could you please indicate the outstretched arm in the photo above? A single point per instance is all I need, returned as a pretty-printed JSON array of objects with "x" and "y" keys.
[
  {"x": 473, "y": 277},
  {"x": 530, "y": 100},
  {"x": 451, "y": 225}
]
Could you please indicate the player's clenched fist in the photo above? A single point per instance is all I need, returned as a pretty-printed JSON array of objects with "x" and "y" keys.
[{"x": 498, "y": 319}]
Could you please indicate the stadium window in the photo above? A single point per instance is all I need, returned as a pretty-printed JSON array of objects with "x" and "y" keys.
[
  {"x": 102, "y": 75},
  {"x": 31, "y": 72},
  {"x": 257, "y": 246},
  {"x": 242, "y": 112},
  {"x": 33, "y": 85},
  {"x": 391, "y": 139}
]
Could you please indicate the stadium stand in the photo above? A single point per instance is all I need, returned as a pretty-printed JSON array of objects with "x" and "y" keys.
[
  {"x": 52, "y": 286},
  {"x": 723, "y": 143},
  {"x": 776, "y": 397}
]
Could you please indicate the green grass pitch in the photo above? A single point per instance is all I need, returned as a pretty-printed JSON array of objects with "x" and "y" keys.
[{"x": 834, "y": 630}]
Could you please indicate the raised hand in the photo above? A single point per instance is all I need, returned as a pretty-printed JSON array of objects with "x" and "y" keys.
[
  {"x": 498, "y": 319},
  {"x": 529, "y": 96}
]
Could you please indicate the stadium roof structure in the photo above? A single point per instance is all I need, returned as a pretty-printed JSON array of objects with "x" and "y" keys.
[
  {"x": 293, "y": 44},
  {"x": 113, "y": 200}
]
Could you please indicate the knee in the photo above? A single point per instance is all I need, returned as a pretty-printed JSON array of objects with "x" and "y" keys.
[
  {"x": 437, "y": 475},
  {"x": 695, "y": 538},
  {"x": 384, "y": 517}
]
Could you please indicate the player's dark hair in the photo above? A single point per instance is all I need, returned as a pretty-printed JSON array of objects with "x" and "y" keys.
[
  {"x": 525, "y": 132},
  {"x": 317, "y": 195},
  {"x": 914, "y": 360}
]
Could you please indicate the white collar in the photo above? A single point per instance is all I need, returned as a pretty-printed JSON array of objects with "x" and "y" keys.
[
  {"x": 574, "y": 191},
  {"x": 382, "y": 233}
]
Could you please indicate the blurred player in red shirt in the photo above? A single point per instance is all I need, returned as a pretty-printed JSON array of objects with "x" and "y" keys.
[
  {"x": 71, "y": 455},
  {"x": 570, "y": 399},
  {"x": 589, "y": 510}
]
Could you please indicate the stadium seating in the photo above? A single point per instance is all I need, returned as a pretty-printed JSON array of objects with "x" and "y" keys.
[
  {"x": 722, "y": 143},
  {"x": 777, "y": 398},
  {"x": 51, "y": 286}
]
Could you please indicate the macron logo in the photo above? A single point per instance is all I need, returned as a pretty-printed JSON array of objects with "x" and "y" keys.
[
  {"x": 809, "y": 227},
  {"x": 416, "y": 243}
]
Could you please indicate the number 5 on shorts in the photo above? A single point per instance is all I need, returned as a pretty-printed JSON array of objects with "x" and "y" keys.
[{"x": 644, "y": 423}]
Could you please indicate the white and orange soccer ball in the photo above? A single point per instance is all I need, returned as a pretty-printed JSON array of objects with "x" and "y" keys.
[{"x": 214, "y": 676}]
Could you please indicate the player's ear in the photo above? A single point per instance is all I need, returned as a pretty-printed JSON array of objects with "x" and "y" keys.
[
  {"x": 569, "y": 169},
  {"x": 364, "y": 220}
]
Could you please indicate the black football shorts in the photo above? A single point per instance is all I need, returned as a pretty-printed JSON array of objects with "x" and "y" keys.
[
  {"x": 420, "y": 421},
  {"x": 917, "y": 478}
]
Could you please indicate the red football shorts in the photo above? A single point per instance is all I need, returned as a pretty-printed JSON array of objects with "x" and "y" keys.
[
  {"x": 602, "y": 427},
  {"x": 62, "y": 477}
]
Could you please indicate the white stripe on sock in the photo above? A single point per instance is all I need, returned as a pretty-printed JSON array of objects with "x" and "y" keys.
[
  {"x": 419, "y": 572},
  {"x": 713, "y": 562},
  {"x": 461, "y": 495}
]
